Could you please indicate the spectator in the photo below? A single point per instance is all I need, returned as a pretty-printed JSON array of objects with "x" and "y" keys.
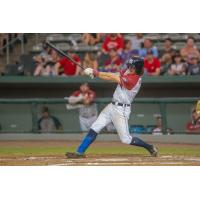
[
  {"x": 168, "y": 48},
  {"x": 128, "y": 51},
  {"x": 178, "y": 67},
  {"x": 88, "y": 109},
  {"x": 65, "y": 67},
  {"x": 113, "y": 63},
  {"x": 48, "y": 123},
  {"x": 137, "y": 41},
  {"x": 193, "y": 65},
  {"x": 151, "y": 64},
  {"x": 45, "y": 62},
  {"x": 158, "y": 130},
  {"x": 190, "y": 48},
  {"x": 90, "y": 61},
  {"x": 112, "y": 41},
  {"x": 91, "y": 38},
  {"x": 148, "y": 46},
  {"x": 193, "y": 126},
  {"x": 166, "y": 62},
  {"x": 44, "y": 56},
  {"x": 44, "y": 70}
]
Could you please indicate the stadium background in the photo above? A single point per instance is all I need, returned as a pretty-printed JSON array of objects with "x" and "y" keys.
[{"x": 23, "y": 94}]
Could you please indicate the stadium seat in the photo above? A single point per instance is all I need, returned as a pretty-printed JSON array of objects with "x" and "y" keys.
[
  {"x": 137, "y": 129},
  {"x": 149, "y": 128},
  {"x": 28, "y": 63},
  {"x": 14, "y": 69},
  {"x": 63, "y": 46}
]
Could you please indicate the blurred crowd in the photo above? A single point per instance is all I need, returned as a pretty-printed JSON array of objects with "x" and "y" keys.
[
  {"x": 6, "y": 38},
  {"x": 115, "y": 50}
]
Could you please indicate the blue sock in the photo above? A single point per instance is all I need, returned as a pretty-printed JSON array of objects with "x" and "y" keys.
[
  {"x": 138, "y": 142},
  {"x": 89, "y": 138}
]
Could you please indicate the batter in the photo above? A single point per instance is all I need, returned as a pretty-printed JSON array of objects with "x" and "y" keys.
[{"x": 118, "y": 111}]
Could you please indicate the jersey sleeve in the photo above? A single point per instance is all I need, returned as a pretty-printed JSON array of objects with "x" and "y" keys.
[
  {"x": 76, "y": 93},
  {"x": 128, "y": 81}
]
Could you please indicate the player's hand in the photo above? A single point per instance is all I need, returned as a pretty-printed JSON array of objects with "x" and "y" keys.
[{"x": 89, "y": 72}]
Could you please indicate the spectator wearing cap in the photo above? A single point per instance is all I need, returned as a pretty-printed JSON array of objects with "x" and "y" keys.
[
  {"x": 178, "y": 67},
  {"x": 151, "y": 64},
  {"x": 193, "y": 65},
  {"x": 148, "y": 45},
  {"x": 189, "y": 48},
  {"x": 168, "y": 48},
  {"x": 47, "y": 122},
  {"x": 113, "y": 41},
  {"x": 66, "y": 67},
  {"x": 128, "y": 51},
  {"x": 113, "y": 63}
]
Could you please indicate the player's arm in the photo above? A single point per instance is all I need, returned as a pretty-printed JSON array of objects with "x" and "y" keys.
[
  {"x": 102, "y": 75},
  {"x": 109, "y": 76}
]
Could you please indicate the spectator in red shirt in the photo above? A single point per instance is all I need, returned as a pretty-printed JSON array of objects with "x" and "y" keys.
[
  {"x": 151, "y": 64},
  {"x": 111, "y": 41},
  {"x": 66, "y": 67},
  {"x": 113, "y": 63}
]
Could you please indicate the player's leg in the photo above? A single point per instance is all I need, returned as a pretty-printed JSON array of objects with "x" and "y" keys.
[
  {"x": 83, "y": 124},
  {"x": 121, "y": 124},
  {"x": 103, "y": 119}
]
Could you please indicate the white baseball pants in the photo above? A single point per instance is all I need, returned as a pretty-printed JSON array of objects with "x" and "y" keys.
[
  {"x": 119, "y": 116},
  {"x": 86, "y": 123}
]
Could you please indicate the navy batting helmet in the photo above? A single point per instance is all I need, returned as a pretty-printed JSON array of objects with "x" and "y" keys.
[{"x": 137, "y": 63}]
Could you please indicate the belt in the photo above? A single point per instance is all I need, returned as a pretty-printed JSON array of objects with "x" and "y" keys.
[{"x": 121, "y": 104}]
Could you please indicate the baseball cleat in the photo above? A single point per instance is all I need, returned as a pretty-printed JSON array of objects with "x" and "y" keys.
[
  {"x": 74, "y": 155},
  {"x": 153, "y": 151}
]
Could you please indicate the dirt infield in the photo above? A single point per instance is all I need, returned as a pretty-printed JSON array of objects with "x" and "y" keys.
[{"x": 28, "y": 153}]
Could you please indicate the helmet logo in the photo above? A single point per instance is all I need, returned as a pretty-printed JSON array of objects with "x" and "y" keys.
[{"x": 131, "y": 61}]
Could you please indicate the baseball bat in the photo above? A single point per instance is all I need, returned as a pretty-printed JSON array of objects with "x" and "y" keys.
[{"x": 64, "y": 54}]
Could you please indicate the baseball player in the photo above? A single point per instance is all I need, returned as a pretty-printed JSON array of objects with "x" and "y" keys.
[
  {"x": 84, "y": 100},
  {"x": 118, "y": 111}
]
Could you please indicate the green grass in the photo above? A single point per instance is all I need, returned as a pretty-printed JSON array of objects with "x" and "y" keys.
[{"x": 44, "y": 151}]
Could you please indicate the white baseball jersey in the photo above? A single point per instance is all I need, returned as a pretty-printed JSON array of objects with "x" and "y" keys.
[
  {"x": 129, "y": 87},
  {"x": 119, "y": 115}
]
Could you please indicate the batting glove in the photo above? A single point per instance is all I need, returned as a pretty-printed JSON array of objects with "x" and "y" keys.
[{"x": 89, "y": 72}]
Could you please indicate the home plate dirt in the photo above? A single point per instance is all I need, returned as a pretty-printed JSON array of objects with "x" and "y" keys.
[
  {"x": 131, "y": 161},
  {"x": 51, "y": 153},
  {"x": 104, "y": 160}
]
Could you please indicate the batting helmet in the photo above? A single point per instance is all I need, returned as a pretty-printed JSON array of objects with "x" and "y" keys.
[{"x": 137, "y": 63}]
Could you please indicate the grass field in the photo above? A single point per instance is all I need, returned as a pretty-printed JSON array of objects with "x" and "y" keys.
[{"x": 100, "y": 153}]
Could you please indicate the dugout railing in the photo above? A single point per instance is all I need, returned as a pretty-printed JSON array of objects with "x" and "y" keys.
[{"x": 21, "y": 115}]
